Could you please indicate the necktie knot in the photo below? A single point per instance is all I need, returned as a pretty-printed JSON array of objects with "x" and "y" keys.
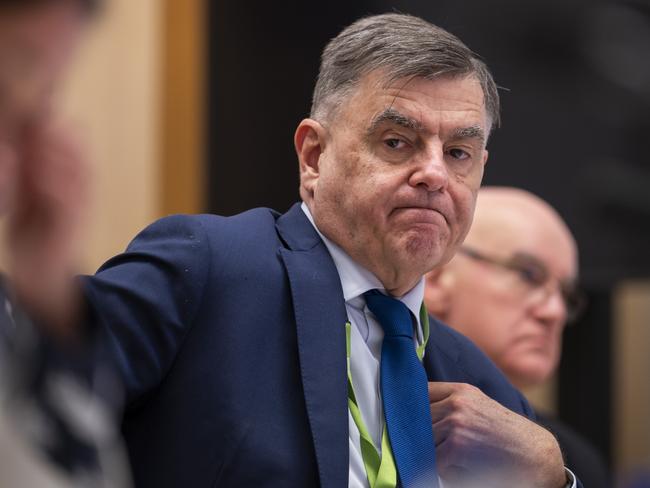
[{"x": 392, "y": 314}]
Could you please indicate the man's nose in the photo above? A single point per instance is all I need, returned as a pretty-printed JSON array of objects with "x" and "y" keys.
[
  {"x": 550, "y": 306},
  {"x": 431, "y": 171}
]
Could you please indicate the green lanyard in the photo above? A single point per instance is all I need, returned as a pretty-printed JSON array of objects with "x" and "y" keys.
[{"x": 381, "y": 470}]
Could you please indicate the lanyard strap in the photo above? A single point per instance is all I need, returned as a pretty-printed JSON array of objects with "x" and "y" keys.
[
  {"x": 380, "y": 469},
  {"x": 424, "y": 320}
]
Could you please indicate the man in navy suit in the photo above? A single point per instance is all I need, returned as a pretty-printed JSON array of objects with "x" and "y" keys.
[{"x": 232, "y": 334}]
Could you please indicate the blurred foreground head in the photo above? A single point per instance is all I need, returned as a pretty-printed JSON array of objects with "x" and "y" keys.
[
  {"x": 37, "y": 39},
  {"x": 511, "y": 287}
]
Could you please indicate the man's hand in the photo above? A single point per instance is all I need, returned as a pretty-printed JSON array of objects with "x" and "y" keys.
[
  {"x": 8, "y": 174},
  {"x": 479, "y": 440},
  {"x": 49, "y": 197}
]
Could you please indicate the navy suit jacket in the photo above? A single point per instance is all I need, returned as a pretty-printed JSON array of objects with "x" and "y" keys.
[{"x": 229, "y": 335}]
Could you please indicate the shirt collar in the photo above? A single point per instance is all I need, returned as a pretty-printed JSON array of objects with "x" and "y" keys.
[{"x": 356, "y": 280}]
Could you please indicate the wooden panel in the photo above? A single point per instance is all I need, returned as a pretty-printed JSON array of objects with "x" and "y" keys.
[
  {"x": 183, "y": 140},
  {"x": 632, "y": 376},
  {"x": 112, "y": 94}
]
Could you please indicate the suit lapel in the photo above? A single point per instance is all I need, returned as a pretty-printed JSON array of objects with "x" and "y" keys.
[
  {"x": 441, "y": 358},
  {"x": 320, "y": 320}
]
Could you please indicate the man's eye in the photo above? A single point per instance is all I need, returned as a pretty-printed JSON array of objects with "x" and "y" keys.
[
  {"x": 394, "y": 143},
  {"x": 532, "y": 276},
  {"x": 458, "y": 154}
]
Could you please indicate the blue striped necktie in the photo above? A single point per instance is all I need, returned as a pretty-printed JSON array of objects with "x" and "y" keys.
[{"x": 405, "y": 394}]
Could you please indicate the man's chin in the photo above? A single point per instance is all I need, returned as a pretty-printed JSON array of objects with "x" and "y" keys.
[{"x": 421, "y": 252}]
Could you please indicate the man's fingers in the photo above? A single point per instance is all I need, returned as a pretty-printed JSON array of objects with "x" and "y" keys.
[
  {"x": 441, "y": 431},
  {"x": 50, "y": 202},
  {"x": 450, "y": 400},
  {"x": 55, "y": 160},
  {"x": 449, "y": 464},
  {"x": 441, "y": 410},
  {"x": 439, "y": 390},
  {"x": 8, "y": 169},
  {"x": 55, "y": 179}
]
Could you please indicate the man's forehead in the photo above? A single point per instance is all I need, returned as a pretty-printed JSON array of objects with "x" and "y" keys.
[
  {"x": 411, "y": 102},
  {"x": 507, "y": 230}
]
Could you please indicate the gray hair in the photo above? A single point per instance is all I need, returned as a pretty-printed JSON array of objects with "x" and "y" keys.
[{"x": 401, "y": 46}]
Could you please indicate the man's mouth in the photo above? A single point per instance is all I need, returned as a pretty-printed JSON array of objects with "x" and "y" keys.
[{"x": 420, "y": 214}]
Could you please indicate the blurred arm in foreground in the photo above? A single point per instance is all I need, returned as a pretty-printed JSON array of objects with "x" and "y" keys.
[{"x": 55, "y": 394}]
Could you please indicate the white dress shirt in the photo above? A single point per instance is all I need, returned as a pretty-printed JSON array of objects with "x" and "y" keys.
[{"x": 365, "y": 349}]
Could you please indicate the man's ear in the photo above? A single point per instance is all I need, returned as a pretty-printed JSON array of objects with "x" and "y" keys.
[
  {"x": 437, "y": 292},
  {"x": 309, "y": 141}
]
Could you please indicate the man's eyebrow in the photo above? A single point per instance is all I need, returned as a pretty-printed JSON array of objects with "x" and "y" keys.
[
  {"x": 393, "y": 116},
  {"x": 471, "y": 132},
  {"x": 523, "y": 256}
]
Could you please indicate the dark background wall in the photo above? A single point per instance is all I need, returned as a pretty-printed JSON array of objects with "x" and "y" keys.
[
  {"x": 576, "y": 130},
  {"x": 264, "y": 59}
]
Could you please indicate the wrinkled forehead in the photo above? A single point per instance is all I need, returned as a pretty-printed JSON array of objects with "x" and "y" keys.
[{"x": 410, "y": 102}]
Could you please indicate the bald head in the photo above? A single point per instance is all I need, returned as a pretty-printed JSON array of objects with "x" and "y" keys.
[
  {"x": 505, "y": 214},
  {"x": 504, "y": 291}
]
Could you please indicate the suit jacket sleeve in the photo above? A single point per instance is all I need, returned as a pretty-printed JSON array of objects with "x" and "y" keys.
[{"x": 145, "y": 300}]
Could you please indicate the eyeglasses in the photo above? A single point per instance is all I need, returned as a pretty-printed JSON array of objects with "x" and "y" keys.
[{"x": 536, "y": 276}]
